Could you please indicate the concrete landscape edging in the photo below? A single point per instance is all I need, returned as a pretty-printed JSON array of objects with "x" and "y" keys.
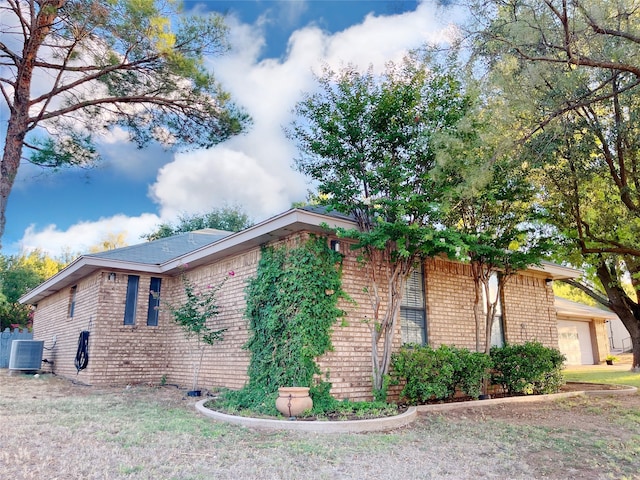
[
  {"x": 320, "y": 426},
  {"x": 397, "y": 421}
]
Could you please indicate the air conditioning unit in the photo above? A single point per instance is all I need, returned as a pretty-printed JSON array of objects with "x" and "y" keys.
[{"x": 26, "y": 354}]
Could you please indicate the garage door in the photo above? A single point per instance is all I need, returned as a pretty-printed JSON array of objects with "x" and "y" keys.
[{"x": 574, "y": 340}]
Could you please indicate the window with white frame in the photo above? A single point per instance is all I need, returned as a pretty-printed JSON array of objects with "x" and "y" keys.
[{"x": 497, "y": 328}]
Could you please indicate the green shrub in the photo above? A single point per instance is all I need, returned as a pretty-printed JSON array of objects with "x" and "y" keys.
[
  {"x": 434, "y": 374},
  {"x": 471, "y": 369},
  {"x": 323, "y": 402},
  {"x": 428, "y": 373},
  {"x": 530, "y": 368},
  {"x": 251, "y": 400}
]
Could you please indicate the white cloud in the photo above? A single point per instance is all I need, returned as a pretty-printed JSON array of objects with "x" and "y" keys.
[
  {"x": 80, "y": 237},
  {"x": 255, "y": 170},
  {"x": 203, "y": 180}
]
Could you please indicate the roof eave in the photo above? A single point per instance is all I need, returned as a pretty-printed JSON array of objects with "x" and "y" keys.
[
  {"x": 80, "y": 268},
  {"x": 555, "y": 272},
  {"x": 274, "y": 228},
  {"x": 291, "y": 221}
]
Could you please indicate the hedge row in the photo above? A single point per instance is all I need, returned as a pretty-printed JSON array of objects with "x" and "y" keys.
[{"x": 434, "y": 374}]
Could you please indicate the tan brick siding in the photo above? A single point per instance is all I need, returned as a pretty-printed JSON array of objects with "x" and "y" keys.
[
  {"x": 529, "y": 311},
  {"x": 122, "y": 354},
  {"x": 450, "y": 301},
  {"x": 51, "y": 320}
]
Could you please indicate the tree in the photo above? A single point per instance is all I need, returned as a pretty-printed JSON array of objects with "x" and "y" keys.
[
  {"x": 110, "y": 242},
  {"x": 194, "y": 316},
  {"x": 77, "y": 69},
  {"x": 499, "y": 227},
  {"x": 569, "y": 75},
  {"x": 230, "y": 219},
  {"x": 371, "y": 144},
  {"x": 19, "y": 274}
]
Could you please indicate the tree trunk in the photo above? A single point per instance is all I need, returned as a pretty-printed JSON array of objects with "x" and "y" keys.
[
  {"x": 635, "y": 364},
  {"x": 627, "y": 310},
  {"x": 386, "y": 328},
  {"x": 18, "y": 124},
  {"x": 9, "y": 165}
]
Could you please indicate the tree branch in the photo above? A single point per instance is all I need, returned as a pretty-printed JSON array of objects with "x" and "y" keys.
[
  {"x": 601, "y": 299},
  {"x": 597, "y": 28},
  {"x": 584, "y": 101},
  {"x": 98, "y": 73},
  {"x": 173, "y": 104}
]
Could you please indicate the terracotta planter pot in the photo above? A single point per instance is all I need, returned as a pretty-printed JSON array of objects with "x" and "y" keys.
[{"x": 292, "y": 401}]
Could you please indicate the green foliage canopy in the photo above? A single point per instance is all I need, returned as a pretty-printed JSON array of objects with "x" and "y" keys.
[
  {"x": 18, "y": 275},
  {"x": 78, "y": 69},
  {"x": 230, "y": 219},
  {"x": 371, "y": 144},
  {"x": 568, "y": 75}
]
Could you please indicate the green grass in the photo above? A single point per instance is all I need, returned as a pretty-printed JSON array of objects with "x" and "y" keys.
[{"x": 600, "y": 374}]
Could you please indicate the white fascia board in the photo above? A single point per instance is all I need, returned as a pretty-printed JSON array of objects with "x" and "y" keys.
[
  {"x": 276, "y": 227},
  {"x": 291, "y": 221},
  {"x": 80, "y": 268},
  {"x": 568, "y": 309},
  {"x": 556, "y": 272}
]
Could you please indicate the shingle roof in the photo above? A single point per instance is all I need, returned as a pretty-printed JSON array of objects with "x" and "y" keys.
[
  {"x": 321, "y": 210},
  {"x": 165, "y": 249}
]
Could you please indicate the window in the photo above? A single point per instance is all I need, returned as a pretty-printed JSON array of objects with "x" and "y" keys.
[
  {"x": 131, "y": 300},
  {"x": 413, "y": 318},
  {"x": 72, "y": 301},
  {"x": 497, "y": 329},
  {"x": 154, "y": 301}
]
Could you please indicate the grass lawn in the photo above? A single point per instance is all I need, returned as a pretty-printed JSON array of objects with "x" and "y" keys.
[
  {"x": 51, "y": 428},
  {"x": 619, "y": 373}
]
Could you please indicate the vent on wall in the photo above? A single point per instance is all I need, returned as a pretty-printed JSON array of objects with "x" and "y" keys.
[{"x": 26, "y": 354}]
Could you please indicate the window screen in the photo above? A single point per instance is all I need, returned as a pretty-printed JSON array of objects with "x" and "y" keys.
[
  {"x": 413, "y": 323},
  {"x": 72, "y": 301}
]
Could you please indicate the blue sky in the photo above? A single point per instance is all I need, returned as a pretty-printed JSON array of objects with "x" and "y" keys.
[{"x": 275, "y": 47}]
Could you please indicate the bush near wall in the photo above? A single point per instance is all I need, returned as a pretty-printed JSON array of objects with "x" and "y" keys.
[
  {"x": 430, "y": 374},
  {"x": 530, "y": 368},
  {"x": 434, "y": 374}
]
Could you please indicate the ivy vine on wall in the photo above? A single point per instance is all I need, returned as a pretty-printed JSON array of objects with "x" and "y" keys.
[{"x": 292, "y": 305}]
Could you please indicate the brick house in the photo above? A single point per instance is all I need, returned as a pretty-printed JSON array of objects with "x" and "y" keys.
[{"x": 132, "y": 341}]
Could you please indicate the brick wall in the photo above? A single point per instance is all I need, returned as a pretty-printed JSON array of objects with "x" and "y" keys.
[
  {"x": 529, "y": 311},
  {"x": 51, "y": 320},
  {"x": 122, "y": 354},
  {"x": 349, "y": 364},
  {"x": 225, "y": 363},
  {"x": 127, "y": 354},
  {"x": 450, "y": 302}
]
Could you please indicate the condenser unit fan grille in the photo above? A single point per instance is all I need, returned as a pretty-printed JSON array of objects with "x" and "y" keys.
[{"x": 26, "y": 354}]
